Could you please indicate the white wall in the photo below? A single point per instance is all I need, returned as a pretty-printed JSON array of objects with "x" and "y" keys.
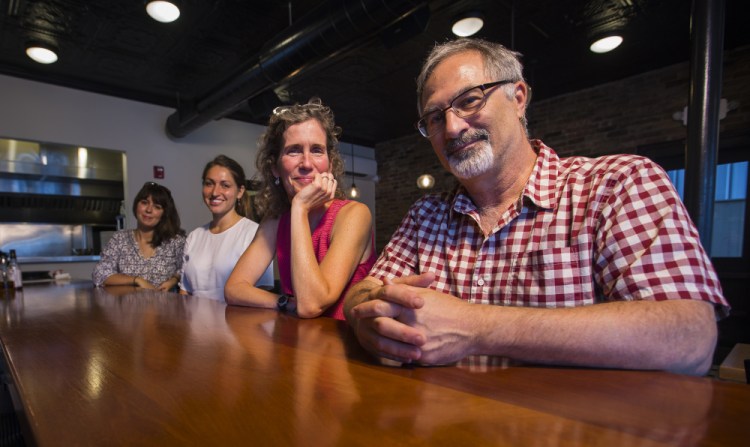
[
  {"x": 43, "y": 112},
  {"x": 36, "y": 111}
]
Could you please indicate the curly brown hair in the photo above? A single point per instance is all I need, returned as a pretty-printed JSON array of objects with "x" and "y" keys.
[{"x": 272, "y": 200}]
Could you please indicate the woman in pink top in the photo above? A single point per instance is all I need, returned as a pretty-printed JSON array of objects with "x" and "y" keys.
[{"x": 322, "y": 244}]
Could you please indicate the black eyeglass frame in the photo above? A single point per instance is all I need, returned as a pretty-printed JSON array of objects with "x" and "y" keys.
[{"x": 421, "y": 124}]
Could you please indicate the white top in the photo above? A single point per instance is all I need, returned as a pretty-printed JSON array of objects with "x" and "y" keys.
[{"x": 209, "y": 259}]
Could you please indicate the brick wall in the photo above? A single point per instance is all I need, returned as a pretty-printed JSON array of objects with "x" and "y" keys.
[
  {"x": 400, "y": 162},
  {"x": 611, "y": 118}
]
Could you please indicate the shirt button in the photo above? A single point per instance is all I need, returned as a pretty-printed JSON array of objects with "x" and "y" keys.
[{"x": 480, "y": 281}]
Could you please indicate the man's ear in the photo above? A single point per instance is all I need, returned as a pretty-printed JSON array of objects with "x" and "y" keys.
[{"x": 522, "y": 97}]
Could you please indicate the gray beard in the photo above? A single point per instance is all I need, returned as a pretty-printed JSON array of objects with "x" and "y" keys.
[{"x": 467, "y": 164}]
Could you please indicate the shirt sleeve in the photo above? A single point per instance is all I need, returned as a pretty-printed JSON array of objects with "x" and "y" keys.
[
  {"x": 180, "y": 242},
  {"x": 649, "y": 248},
  {"x": 108, "y": 260},
  {"x": 400, "y": 256}
]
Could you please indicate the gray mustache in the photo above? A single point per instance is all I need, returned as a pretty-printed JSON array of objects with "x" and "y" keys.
[{"x": 468, "y": 137}]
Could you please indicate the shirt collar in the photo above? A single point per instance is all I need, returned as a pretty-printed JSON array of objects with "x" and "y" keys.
[
  {"x": 540, "y": 188},
  {"x": 461, "y": 202}
]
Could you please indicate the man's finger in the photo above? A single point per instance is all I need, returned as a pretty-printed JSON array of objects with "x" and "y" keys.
[{"x": 421, "y": 280}]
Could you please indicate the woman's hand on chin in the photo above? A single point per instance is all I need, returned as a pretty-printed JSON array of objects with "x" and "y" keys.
[{"x": 316, "y": 194}]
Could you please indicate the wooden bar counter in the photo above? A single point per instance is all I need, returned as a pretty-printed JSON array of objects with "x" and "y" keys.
[{"x": 121, "y": 366}]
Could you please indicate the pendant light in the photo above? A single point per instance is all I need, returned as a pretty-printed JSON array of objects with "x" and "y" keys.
[
  {"x": 353, "y": 192},
  {"x": 425, "y": 181}
]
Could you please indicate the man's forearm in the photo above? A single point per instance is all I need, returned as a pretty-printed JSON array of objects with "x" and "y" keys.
[{"x": 677, "y": 335}]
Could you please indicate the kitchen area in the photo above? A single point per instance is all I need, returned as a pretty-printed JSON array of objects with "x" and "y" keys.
[{"x": 59, "y": 204}]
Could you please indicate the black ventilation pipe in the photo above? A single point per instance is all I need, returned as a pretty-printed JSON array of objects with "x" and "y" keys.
[{"x": 330, "y": 29}]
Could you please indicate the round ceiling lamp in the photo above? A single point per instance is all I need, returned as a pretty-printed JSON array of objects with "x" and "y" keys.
[
  {"x": 606, "y": 44},
  {"x": 163, "y": 11},
  {"x": 468, "y": 24},
  {"x": 42, "y": 53}
]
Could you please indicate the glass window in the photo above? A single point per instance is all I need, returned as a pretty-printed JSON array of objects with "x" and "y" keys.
[{"x": 729, "y": 207}]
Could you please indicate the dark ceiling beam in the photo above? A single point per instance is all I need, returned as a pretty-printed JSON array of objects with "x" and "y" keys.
[
  {"x": 331, "y": 29},
  {"x": 706, "y": 58}
]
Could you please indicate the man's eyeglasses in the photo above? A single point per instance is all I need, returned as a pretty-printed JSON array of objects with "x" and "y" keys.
[{"x": 464, "y": 105}]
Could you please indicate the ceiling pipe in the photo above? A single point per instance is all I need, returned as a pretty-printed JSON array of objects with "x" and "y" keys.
[{"x": 331, "y": 29}]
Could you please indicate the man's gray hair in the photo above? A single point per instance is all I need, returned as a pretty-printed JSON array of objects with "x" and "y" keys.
[{"x": 500, "y": 63}]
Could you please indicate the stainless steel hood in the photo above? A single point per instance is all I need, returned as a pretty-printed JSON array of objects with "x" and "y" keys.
[{"x": 56, "y": 183}]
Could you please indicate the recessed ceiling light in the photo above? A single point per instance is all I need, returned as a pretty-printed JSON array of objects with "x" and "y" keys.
[
  {"x": 468, "y": 24},
  {"x": 42, "y": 53},
  {"x": 163, "y": 11},
  {"x": 606, "y": 44}
]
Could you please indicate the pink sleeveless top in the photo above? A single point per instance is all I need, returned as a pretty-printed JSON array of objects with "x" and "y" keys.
[{"x": 321, "y": 239}]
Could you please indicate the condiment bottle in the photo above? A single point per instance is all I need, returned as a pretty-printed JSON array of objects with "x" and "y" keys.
[
  {"x": 8, "y": 288},
  {"x": 14, "y": 271}
]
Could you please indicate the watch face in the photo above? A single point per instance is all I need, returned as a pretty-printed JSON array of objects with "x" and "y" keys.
[{"x": 282, "y": 302}]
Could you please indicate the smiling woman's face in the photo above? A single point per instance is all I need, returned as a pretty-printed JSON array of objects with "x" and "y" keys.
[
  {"x": 148, "y": 213},
  {"x": 220, "y": 192},
  {"x": 304, "y": 154}
]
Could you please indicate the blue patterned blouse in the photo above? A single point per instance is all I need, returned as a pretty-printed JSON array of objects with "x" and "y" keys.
[{"x": 121, "y": 255}]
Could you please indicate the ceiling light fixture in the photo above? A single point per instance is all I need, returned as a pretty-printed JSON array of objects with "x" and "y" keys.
[
  {"x": 42, "y": 52},
  {"x": 606, "y": 44},
  {"x": 468, "y": 24},
  {"x": 163, "y": 11}
]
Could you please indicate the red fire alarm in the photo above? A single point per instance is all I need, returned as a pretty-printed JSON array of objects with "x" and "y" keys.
[{"x": 158, "y": 171}]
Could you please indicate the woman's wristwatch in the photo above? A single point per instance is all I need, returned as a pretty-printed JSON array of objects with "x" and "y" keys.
[
  {"x": 283, "y": 302},
  {"x": 287, "y": 303}
]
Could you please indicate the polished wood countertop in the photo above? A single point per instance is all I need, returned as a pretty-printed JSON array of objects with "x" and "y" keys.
[{"x": 120, "y": 366}]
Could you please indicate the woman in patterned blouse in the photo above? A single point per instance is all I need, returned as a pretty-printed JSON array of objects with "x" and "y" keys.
[{"x": 151, "y": 255}]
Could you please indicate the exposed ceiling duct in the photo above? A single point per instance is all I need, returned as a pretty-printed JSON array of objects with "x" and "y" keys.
[{"x": 334, "y": 27}]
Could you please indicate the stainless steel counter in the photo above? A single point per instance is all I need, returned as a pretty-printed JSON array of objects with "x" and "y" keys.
[{"x": 55, "y": 259}]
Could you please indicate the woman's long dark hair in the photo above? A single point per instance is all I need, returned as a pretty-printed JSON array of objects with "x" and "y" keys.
[{"x": 169, "y": 224}]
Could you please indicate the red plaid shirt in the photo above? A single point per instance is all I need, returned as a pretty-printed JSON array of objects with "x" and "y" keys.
[{"x": 590, "y": 230}]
